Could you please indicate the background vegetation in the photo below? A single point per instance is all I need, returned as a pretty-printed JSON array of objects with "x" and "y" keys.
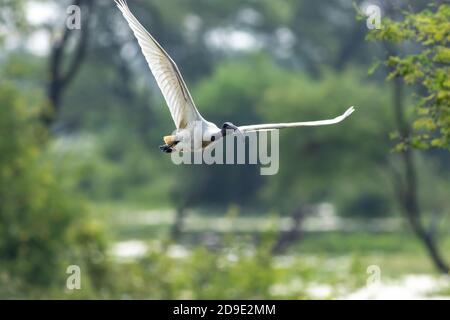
[{"x": 82, "y": 181}]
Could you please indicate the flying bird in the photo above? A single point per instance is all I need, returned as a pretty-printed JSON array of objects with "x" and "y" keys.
[{"x": 188, "y": 120}]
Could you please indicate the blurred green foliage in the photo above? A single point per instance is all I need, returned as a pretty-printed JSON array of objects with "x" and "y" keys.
[
  {"x": 11, "y": 15},
  {"x": 426, "y": 67},
  {"x": 44, "y": 228}
]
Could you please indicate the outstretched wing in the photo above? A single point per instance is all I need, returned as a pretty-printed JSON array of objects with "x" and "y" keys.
[
  {"x": 165, "y": 71},
  {"x": 272, "y": 126}
]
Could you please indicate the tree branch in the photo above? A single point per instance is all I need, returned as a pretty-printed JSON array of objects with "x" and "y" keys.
[{"x": 59, "y": 80}]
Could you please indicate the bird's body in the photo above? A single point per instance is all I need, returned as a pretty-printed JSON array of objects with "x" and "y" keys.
[
  {"x": 194, "y": 137},
  {"x": 192, "y": 132}
]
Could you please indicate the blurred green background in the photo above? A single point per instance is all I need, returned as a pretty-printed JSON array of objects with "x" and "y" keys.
[{"x": 83, "y": 182}]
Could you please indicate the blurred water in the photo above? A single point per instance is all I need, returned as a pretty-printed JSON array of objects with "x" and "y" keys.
[
  {"x": 130, "y": 249},
  {"x": 409, "y": 287},
  {"x": 321, "y": 221}
]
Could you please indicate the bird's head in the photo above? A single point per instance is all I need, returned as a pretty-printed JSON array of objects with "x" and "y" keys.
[{"x": 228, "y": 128}]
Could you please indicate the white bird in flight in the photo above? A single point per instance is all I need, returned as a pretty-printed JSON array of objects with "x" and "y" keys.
[{"x": 188, "y": 120}]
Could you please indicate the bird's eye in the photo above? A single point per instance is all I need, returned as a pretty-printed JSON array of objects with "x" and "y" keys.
[{"x": 213, "y": 138}]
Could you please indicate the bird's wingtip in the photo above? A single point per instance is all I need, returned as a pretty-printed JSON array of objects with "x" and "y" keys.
[
  {"x": 121, "y": 3},
  {"x": 349, "y": 111}
]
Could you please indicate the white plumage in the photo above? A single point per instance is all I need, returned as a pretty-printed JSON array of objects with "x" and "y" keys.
[
  {"x": 188, "y": 120},
  {"x": 165, "y": 71},
  {"x": 272, "y": 126}
]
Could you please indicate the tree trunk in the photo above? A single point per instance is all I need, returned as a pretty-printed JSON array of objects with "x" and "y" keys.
[
  {"x": 409, "y": 191},
  {"x": 177, "y": 226},
  {"x": 59, "y": 79},
  {"x": 286, "y": 238}
]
